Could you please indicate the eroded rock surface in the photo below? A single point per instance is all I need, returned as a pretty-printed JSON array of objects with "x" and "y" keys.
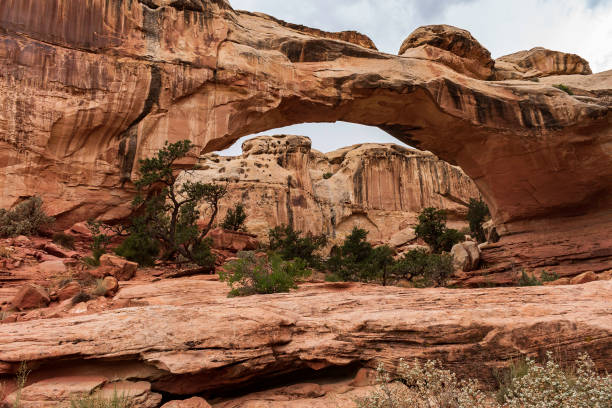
[
  {"x": 82, "y": 102},
  {"x": 540, "y": 62},
  {"x": 188, "y": 338},
  {"x": 378, "y": 187}
]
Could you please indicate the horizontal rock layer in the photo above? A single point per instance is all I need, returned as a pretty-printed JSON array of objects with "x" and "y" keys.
[{"x": 192, "y": 339}]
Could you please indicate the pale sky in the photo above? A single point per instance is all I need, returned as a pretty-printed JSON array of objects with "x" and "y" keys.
[{"x": 583, "y": 27}]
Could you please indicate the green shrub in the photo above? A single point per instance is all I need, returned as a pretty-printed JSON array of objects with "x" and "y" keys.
[
  {"x": 548, "y": 277},
  {"x": 564, "y": 88},
  {"x": 289, "y": 244},
  {"x": 25, "y": 219},
  {"x": 425, "y": 269},
  {"x": 357, "y": 260},
  {"x": 250, "y": 275},
  {"x": 170, "y": 210},
  {"x": 64, "y": 240},
  {"x": 449, "y": 238},
  {"x": 327, "y": 175},
  {"x": 478, "y": 211},
  {"x": 234, "y": 219},
  {"x": 139, "y": 247},
  {"x": 100, "y": 241},
  {"x": 432, "y": 229},
  {"x": 527, "y": 280}
]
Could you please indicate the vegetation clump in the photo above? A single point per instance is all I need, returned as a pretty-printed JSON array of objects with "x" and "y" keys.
[
  {"x": 357, "y": 260},
  {"x": 250, "y": 275},
  {"x": 64, "y": 240},
  {"x": 564, "y": 88},
  {"x": 170, "y": 210},
  {"x": 98, "y": 401},
  {"x": 139, "y": 247},
  {"x": 27, "y": 218},
  {"x": 425, "y": 269},
  {"x": 528, "y": 385},
  {"x": 235, "y": 218},
  {"x": 478, "y": 212},
  {"x": 432, "y": 229},
  {"x": 290, "y": 244},
  {"x": 100, "y": 241}
]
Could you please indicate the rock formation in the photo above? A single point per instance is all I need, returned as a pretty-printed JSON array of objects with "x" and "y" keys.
[
  {"x": 88, "y": 88},
  {"x": 539, "y": 62},
  {"x": 378, "y": 187},
  {"x": 186, "y": 337}
]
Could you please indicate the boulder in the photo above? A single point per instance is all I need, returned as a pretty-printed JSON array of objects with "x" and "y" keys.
[
  {"x": 558, "y": 282},
  {"x": 111, "y": 285},
  {"x": 80, "y": 228},
  {"x": 585, "y": 277},
  {"x": 51, "y": 268},
  {"x": 30, "y": 296},
  {"x": 69, "y": 291},
  {"x": 57, "y": 391},
  {"x": 195, "y": 402},
  {"x": 466, "y": 256},
  {"x": 451, "y": 46},
  {"x": 232, "y": 240},
  {"x": 56, "y": 250},
  {"x": 539, "y": 62},
  {"x": 22, "y": 240},
  {"x": 122, "y": 269},
  {"x": 607, "y": 275},
  {"x": 402, "y": 237},
  {"x": 138, "y": 393}
]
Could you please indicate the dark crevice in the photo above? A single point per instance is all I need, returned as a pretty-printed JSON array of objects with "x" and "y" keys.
[
  {"x": 129, "y": 138},
  {"x": 299, "y": 375}
]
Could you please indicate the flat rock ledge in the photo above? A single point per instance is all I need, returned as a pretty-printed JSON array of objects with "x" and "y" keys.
[{"x": 189, "y": 338}]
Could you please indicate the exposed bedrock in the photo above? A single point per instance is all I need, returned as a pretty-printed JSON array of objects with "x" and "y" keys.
[
  {"x": 379, "y": 187},
  {"x": 89, "y": 87},
  {"x": 190, "y": 338}
]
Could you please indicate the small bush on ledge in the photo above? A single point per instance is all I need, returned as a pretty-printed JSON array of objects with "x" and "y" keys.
[
  {"x": 564, "y": 88},
  {"x": 25, "y": 219},
  {"x": 250, "y": 275}
]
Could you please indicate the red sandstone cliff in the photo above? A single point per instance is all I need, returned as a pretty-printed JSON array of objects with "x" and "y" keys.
[{"x": 379, "y": 187}]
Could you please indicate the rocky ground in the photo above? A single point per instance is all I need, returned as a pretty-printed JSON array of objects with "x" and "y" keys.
[{"x": 157, "y": 338}]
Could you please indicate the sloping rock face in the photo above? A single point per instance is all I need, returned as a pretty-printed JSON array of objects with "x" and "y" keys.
[
  {"x": 451, "y": 46},
  {"x": 187, "y": 337},
  {"x": 88, "y": 88},
  {"x": 378, "y": 187},
  {"x": 540, "y": 62}
]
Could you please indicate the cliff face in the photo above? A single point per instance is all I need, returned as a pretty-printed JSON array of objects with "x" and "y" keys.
[
  {"x": 89, "y": 87},
  {"x": 379, "y": 187}
]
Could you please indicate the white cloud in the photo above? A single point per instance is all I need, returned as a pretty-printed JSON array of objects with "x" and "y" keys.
[{"x": 583, "y": 27}]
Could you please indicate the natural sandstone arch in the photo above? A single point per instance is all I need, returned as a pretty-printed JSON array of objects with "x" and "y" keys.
[{"x": 90, "y": 87}]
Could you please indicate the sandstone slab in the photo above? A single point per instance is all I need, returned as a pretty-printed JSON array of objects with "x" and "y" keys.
[
  {"x": 120, "y": 268},
  {"x": 30, "y": 296},
  {"x": 194, "y": 402},
  {"x": 203, "y": 342}
]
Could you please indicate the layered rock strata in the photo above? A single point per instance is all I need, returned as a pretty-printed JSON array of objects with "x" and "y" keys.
[
  {"x": 88, "y": 88},
  {"x": 187, "y": 337},
  {"x": 378, "y": 187}
]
